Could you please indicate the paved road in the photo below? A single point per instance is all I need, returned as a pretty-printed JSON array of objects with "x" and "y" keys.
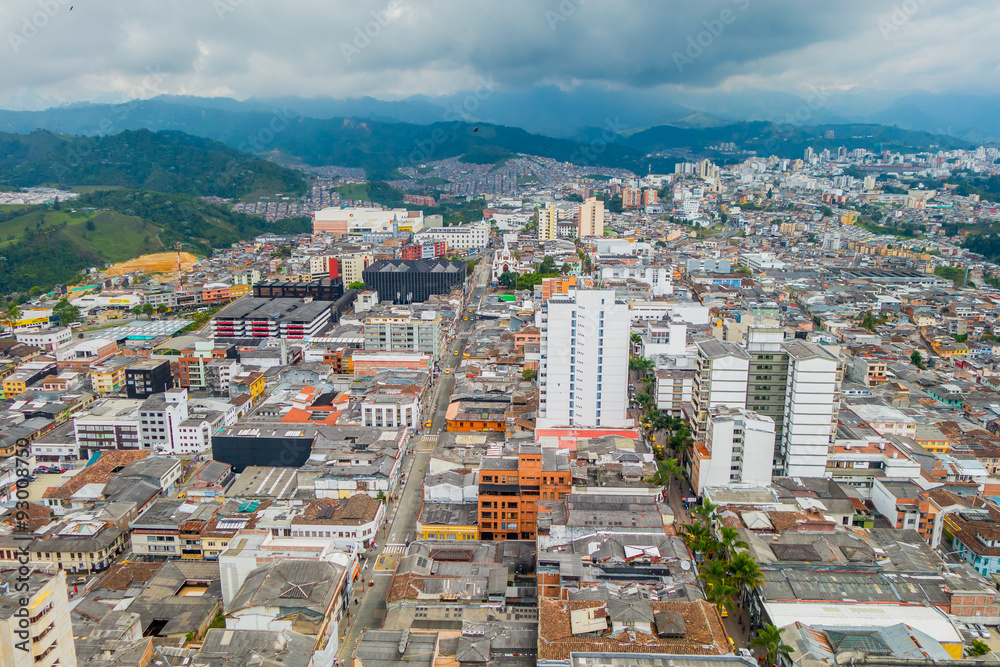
[{"x": 367, "y": 606}]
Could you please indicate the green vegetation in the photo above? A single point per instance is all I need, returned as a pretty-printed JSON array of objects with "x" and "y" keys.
[
  {"x": 529, "y": 374},
  {"x": 977, "y": 647},
  {"x": 987, "y": 245},
  {"x": 357, "y": 284},
  {"x": 870, "y": 322},
  {"x": 66, "y": 312},
  {"x": 508, "y": 279},
  {"x": 917, "y": 360},
  {"x": 769, "y": 639},
  {"x": 495, "y": 155},
  {"x": 42, "y": 247},
  {"x": 953, "y": 273},
  {"x": 527, "y": 179},
  {"x": 162, "y": 161}
]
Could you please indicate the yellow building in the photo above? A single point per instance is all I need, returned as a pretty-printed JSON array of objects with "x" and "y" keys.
[
  {"x": 448, "y": 521},
  {"x": 932, "y": 439},
  {"x": 849, "y": 218},
  {"x": 236, "y": 291},
  {"x": 109, "y": 378}
]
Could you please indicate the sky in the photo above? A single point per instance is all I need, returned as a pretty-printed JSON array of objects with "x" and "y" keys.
[{"x": 60, "y": 51}]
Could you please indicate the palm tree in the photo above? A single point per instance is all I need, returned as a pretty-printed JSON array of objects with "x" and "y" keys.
[
  {"x": 641, "y": 365},
  {"x": 730, "y": 539},
  {"x": 12, "y": 314},
  {"x": 666, "y": 472},
  {"x": 695, "y": 535},
  {"x": 769, "y": 639},
  {"x": 745, "y": 573},
  {"x": 714, "y": 572},
  {"x": 706, "y": 510},
  {"x": 720, "y": 594}
]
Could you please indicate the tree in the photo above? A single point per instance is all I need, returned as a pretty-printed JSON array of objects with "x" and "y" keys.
[
  {"x": 730, "y": 539},
  {"x": 146, "y": 309},
  {"x": 66, "y": 312},
  {"x": 12, "y": 314},
  {"x": 508, "y": 279},
  {"x": 529, "y": 374},
  {"x": 90, "y": 226},
  {"x": 744, "y": 572},
  {"x": 720, "y": 594},
  {"x": 826, "y": 211},
  {"x": 548, "y": 265},
  {"x": 566, "y": 268},
  {"x": 357, "y": 284},
  {"x": 977, "y": 647},
  {"x": 666, "y": 472},
  {"x": 162, "y": 309},
  {"x": 917, "y": 360},
  {"x": 641, "y": 365},
  {"x": 769, "y": 639}
]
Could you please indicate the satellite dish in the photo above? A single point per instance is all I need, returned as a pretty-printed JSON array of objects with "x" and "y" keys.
[{"x": 685, "y": 565}]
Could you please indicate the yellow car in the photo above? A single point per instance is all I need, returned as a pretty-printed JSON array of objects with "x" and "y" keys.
[
  {"x": 428, "y": 424},
  {"x": 724, "y": 613},
  {"x": 447, "y": 371},
  {"x": 456, "y": 353},
  {"x": 466, "y": 319}
]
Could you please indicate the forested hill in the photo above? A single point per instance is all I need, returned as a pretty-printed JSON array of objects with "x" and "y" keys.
[{"x": 172, "y": 162}]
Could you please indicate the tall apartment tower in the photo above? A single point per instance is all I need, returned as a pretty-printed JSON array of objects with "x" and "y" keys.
[
  {"x": 768, "y": 378},
  {"x": 812, "y": 400},
  {"x": 583, "y": 373},
  {"x": 592, "y": 218},
  {"x": 548, "y": 219},
  {"x": 42, "y": 594},
  {"x": 721, "y": 379}
]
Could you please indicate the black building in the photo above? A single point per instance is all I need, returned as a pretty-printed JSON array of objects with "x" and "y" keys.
[
  {"x": 413, "y": 280},
  {"x": 269, "y": 445},
  {"x": 148, "y": 377},
  {"x": 324, "y": 289}
]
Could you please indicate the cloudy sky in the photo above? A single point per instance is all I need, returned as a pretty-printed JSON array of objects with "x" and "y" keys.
[{"x": 125, "y": 49}]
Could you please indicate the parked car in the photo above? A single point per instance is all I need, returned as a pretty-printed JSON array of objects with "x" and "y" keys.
[
  {"x": 971, "y": 627},
  {"x": 983, "y": 632}
]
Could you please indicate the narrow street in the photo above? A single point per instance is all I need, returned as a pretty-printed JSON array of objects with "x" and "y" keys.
[{"x": 367, "y": 605}]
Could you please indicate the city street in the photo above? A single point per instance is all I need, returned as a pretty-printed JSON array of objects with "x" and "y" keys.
[{"x": 367, "y": 606}]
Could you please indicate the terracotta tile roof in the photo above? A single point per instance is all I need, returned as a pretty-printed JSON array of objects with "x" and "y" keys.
[
  {"x": 122, "y": 576},
  {"x": 704, "y": 633},
  {"x": 98, "y": 472}
]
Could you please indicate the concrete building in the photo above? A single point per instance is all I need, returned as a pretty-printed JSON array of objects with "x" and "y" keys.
[
  {"x": 812, "y": 400},
  {"x": 659, "y": 278},
  {"x": 592, "y": 218},
  {"x": 721, "y": 381},
  {"x": 583, "y": 373},
  {"x": 49, "y": 632},
  {"x": 738, "y": 449},
  {"x": 409, "y": 332},
  {"x": 47, "y": 339},
  {"x": 255, "y": 317},
  {"x": 548, "y": 219},
  {"x": 458, "y": 237}
]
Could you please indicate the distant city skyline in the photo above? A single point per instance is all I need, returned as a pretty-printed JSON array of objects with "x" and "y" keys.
[{"x": 401, "y": 48}]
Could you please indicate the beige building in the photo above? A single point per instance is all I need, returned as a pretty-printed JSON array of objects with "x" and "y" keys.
[
  {"x": 351, "y": 266},
  {"x": 592, "y": 218},
  {"x": 548, "y": 218},
  {"x": 49, "y": 633}
]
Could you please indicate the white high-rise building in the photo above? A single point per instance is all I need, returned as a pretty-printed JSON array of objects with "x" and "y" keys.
[
  {"x": 592, "y": 218},
  {"x": 738, "y": 449},
  {"x": 812, "y": 399},
  {"x": 722, "y": 378},
  {"x": 583, "y": 374},
  {"x": 548, "y": 219}
]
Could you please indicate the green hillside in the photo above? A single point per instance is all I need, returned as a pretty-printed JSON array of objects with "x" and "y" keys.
[
  {"x": 40, "y": 247},
  {"x": 160, "y": 161}
]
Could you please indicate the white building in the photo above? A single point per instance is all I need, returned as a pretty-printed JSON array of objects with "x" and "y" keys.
[
  {"x": 811, "y": 405},
  {"x": 473, "y": 236},
  {"x": 691, "y": 312},
  {"x": 583, "y": 375},
  {"x": 666, "y": 336},
  {"x": 738, "y": 449},
  {"x": 675, "y": 384},
  {"x": 47, "y": 339},
  {"x": 721, "y": 381},
  {"x": 35, "y": 624},
  {"x": 390, "y": 408},
  {"x": 160, "y": 417},
  {"x": 659, "y": 278},
  {"x": 503, "y": 261},
  {"x": 763, "y": 261}
]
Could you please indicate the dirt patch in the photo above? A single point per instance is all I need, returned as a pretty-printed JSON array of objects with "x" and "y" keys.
[{"x": 160, "y": 262}]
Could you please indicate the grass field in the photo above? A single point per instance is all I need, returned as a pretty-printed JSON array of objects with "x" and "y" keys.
[
  {"x": 115, "y": 237},
  {"x": 357, "y": 191}
]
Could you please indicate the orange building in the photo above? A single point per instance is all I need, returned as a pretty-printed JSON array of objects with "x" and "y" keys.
[
  {"x": 216, "y": 293},
  {"x": 563, "y": 284},
  {"x": 477, "y": 415},
  {"x": 511, "y": 486},
  {"x": 370, "y": 363}
]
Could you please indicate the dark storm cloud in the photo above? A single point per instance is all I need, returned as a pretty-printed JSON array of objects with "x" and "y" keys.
[{"x": 247, "y": 48}]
